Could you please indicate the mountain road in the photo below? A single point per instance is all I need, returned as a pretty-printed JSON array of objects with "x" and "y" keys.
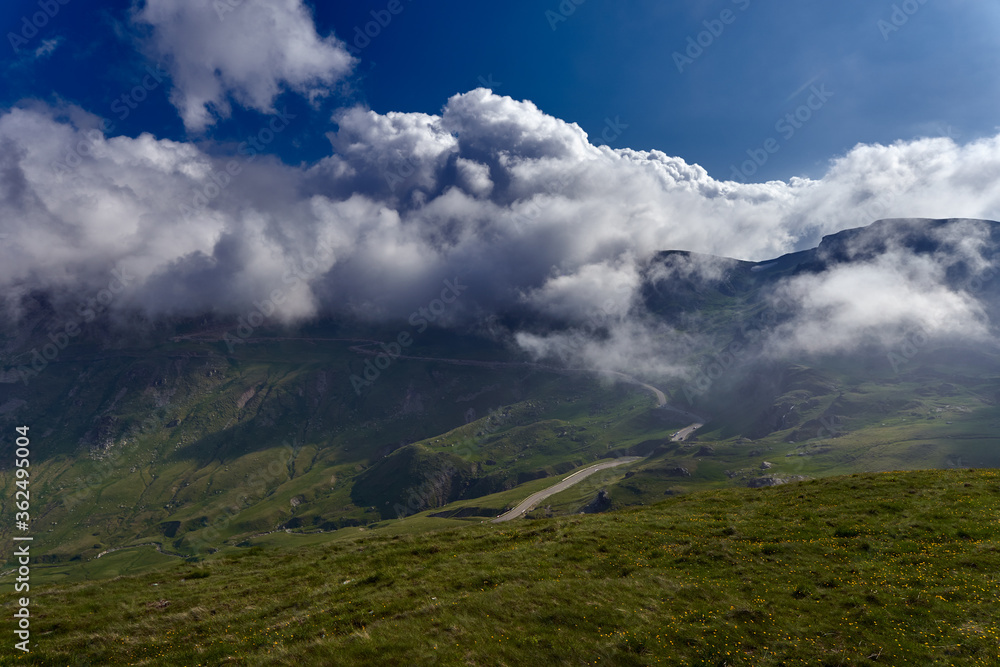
[{"x": 531, "y": 501}]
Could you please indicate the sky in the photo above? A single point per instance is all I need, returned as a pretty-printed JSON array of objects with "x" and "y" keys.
[
  {"x": 586, "y": 63},
  {"x": 351, "y": 157}
]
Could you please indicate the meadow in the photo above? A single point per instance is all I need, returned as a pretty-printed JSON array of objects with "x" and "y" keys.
[{"x": 868, "y": 569}]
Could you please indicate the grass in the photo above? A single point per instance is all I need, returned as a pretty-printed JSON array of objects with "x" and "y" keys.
[
  {"x": 198, "y": 449},
  {"x": 227, "y": 447},
  {"x": 869, "y": 569}
]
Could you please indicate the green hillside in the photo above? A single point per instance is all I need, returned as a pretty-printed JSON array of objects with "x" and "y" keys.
[
  {"x": 194, "y": 447},
  {"x": 178, "y": 435},
  {"x": 191, "y": 446},
  {"x": 867, "y": 569}
]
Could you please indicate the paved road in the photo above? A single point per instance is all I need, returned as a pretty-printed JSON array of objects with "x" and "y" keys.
[
  {"x": 661, "y": 398},
  {"x": 683, "y": 434},
  {"x": 531, "y": 501},
  {"x": 364, "y": 347}
]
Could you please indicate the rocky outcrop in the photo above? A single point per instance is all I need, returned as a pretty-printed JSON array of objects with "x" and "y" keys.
[
  {"x": 601, "y": 503},
  {"x": 774, "y": 480}
]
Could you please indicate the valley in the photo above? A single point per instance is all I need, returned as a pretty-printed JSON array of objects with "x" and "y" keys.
[{"x": 184, "y": 456}]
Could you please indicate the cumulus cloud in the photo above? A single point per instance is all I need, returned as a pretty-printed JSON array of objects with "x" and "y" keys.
[
  {"x": 875, "y": 302},
  {"x": 889, "y": 281},
  {"x": 249, "y": 51},
  {"x": 519, "y": 206},
  {"x": 640, "y": 346}
]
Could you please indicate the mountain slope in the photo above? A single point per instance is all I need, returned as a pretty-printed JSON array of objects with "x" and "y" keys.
[
  {"x": 173, "y": 434},
  {"x": 869, "y": 569}
]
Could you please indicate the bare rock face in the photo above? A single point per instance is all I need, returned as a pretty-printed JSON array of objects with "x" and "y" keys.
[
  {"x": 773, "y": 480},
  {"x": 601, "y": 503},
  {"x": 765, "y": 465},
  {"x": 101, "y": 436}
]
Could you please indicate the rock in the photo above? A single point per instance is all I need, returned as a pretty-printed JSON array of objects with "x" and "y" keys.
[
  {"x": 761, "y": 482},
  {"x": 602, "y": 503},
  {"x": 765, "y": 465},
  {"x": 680, "y": 472},
  {"x": 706, "y": 450}
]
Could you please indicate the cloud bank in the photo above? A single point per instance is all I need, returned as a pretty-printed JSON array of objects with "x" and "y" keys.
[
  {"x": 520, "y": 206},
  {"x": 900, "y": 277}
]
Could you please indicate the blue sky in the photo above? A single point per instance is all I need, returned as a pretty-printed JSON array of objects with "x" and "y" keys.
[
  {"x": 935, "y": 75},
  {"x": 249, "y": 135}
]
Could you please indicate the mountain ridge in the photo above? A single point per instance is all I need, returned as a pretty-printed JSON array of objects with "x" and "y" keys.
[{"x": 180, "y": 438}]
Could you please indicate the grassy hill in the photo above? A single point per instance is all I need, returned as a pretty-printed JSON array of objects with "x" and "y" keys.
[
  {"x": 868, "y": 569},
  {"x": 191, "y": 446},
  {"x": 168, "y": 435}
]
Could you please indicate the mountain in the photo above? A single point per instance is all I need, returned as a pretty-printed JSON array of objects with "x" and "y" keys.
[{"x": 873, "y": 351}]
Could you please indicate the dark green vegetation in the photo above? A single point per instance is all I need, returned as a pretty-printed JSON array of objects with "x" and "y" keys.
[
  {"x": 249, "y": 482},
  {"x": 869, "y": 569},
  {"x": 189, "y": 446},
  {"x": 177, "y": 439},
  {"x": 192, "y": 448}
]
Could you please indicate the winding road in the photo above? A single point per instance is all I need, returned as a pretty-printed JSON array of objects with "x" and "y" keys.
[
  {"x": 364, "y": 347},
  {"x": 683, "y": 434},
  {"x": 531, "y": 501}
]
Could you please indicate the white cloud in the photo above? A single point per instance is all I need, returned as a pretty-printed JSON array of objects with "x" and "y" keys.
[
  {"x": 474, "y": 177},
  {"x": 248, "y": 51},
  {"x": 891, "y": 280},
  {"x": 875, "y": 302},
  {"x": 516, "y": 204}
]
